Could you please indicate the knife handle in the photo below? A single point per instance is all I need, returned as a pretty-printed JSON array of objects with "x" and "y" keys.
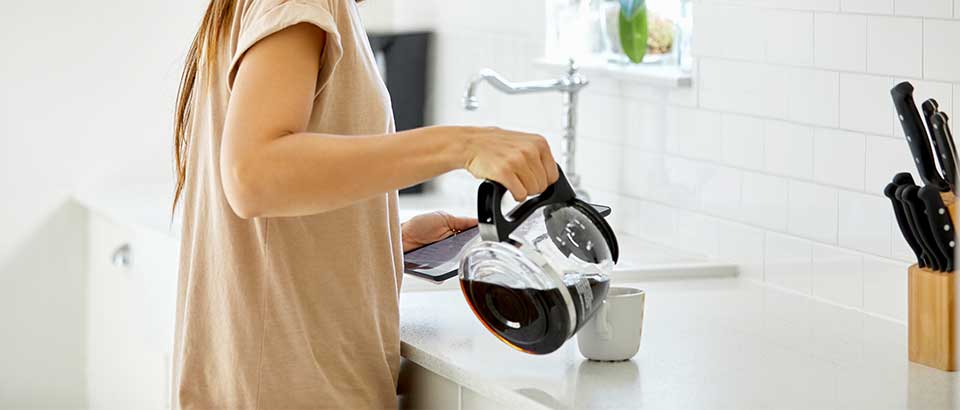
[
  {"x": 946, "y": 151},
  {"x": 907, "y": 195},
  {"x": 903, "y": 178},
  {"x": 916, "y": 136},
  {"x": 889, "y": 191},
  {"x": 940, "y": 224}
]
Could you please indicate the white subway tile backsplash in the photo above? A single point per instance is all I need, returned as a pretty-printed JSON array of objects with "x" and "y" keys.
[
  {"x": 956, "y": 106},
  {"x": 787, "y": 262},
  {"x": 886, "y": 157},
  {"x": 788, "y": 149},
  {"x": 681, "y": 185},
  {"x": 601, "y": 116},
  {"x": 720, "y": 191},
  {"x": 867, "y": 6},
  {"x": 764, "y": 201},
  {"x": 823, "y": 5},
  {"x": 789, "y": 37},
  {"x": 813, "y": 96},
  {"x": 865, "y": 222},
  {"x": 698, "y": 233},
  {"x": 648, "y": 220},
  {"x": 812, "y": 211},
  {"x": 734, "y": 32},
  {"x": 694, "y": 133},
  {"x": 941, "y": 61},
  {"x": 838, "y": 275},
  {"x": 840, "y": 41},
  {"x": 743, "y": 87},
  {"x": 644, "y": 173},
  {"x": 865, "y": 103},
  {"x": 893, "y": 46},
  {"x": 601, "y": 164},
  {"x": 885, "y": 287},
  {"x": 742, "y": 144},
  {"x": 707, "y": 142},
  {"x": 742, "y": 245},
  {"x": 924, "y": 8},
  {"x": 645, "y": 125},
  {"x": 839, "y": 158}
]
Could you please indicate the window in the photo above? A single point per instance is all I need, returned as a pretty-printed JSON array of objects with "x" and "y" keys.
[{"x": 589, "y": 31}]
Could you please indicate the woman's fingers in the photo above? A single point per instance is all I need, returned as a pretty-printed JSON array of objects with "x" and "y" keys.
[
  {"x": 549, "y": 164},
  {"x": 512, "y": 182},
  {"x": 536, "y": 167},
  {"x": 528, "y": 176},
  {"x": 460, "y": 224},
  {"x": 522, "y": 162}
]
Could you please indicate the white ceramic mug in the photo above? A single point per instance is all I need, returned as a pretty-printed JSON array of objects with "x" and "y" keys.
[{"x": 614, "y": 332}]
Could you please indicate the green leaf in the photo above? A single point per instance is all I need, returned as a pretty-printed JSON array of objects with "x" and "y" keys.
[{"x": 633, "y": 35}]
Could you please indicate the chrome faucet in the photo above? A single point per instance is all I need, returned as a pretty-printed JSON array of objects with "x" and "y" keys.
[{"x": 569, "y": 86}]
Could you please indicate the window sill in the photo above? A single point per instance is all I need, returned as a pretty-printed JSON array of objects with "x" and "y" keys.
[{"x": 652, "y": 74}]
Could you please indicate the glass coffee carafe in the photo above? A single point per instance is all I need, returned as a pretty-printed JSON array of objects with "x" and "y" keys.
[{"x": 538, "y": 273}]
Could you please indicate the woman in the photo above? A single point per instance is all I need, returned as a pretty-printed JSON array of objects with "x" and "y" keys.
[{"x": 288, "y": 166}]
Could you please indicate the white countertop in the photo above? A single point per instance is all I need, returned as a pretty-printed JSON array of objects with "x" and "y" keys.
[{"x": 707, "y": 343}]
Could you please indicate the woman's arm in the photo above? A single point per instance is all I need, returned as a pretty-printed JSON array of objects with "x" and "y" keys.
[{"x": 271, "y": 166}]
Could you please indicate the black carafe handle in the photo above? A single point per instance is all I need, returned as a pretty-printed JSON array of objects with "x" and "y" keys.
[{"x": 495, "y": 226}]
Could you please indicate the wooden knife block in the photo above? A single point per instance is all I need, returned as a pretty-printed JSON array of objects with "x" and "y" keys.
[
  {"x": 951, "y": 202},
  {"x": 933, "y": 318}
]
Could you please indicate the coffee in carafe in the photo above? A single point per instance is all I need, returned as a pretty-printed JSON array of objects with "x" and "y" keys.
[{"x": 531, "y": 320}]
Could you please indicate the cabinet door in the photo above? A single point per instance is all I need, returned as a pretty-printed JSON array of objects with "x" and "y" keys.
[
  {"x": 471, "y": 400},
  {"x": 128, "y": 341},
  {"x": 421, "y": 389}
]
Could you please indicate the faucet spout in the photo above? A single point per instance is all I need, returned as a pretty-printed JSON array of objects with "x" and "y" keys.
[{"x": 565, "y": 84}]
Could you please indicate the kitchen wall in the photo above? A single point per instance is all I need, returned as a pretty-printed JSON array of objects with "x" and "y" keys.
[
  {"x": 87, "y": 91},
  {"x": 774, "y": 159}
]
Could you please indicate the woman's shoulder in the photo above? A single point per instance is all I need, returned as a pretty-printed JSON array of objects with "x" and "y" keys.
[{"x": 257, "y": 7}]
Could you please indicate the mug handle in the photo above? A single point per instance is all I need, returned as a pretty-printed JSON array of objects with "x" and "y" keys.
[{"x": 602, "y": 323}]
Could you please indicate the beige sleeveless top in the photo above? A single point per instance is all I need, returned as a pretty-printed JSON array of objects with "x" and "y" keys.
[{"x": 288, "y": 313}]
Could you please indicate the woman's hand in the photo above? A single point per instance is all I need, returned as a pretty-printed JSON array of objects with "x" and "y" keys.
[
  {"x": 428, "y": 228},
  {"x": 520, "y": 161}
]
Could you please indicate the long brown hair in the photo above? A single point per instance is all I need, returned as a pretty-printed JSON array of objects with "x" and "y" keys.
[{"x": 201, "y": 56}]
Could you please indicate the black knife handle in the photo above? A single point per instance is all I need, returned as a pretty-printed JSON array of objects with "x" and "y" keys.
[
  {"x": 903, "y": 178},
  {"x": 916, "y": 136},
  {"x": 940, "y": 224},
  {"x": 914, "y": 210},
  {"x": 889, "y": 191},
  {"x": 946, "y": 151},
  {"x": 906, "y": 178}
]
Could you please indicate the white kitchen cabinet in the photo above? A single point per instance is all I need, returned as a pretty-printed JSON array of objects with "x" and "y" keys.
[
  {"x": 131, "y": 301},
  {"x": 422, "y": 389},
  {"x": 471, "y": 400}
]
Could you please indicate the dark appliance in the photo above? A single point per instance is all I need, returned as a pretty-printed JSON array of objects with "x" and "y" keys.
[{"x": 403, "y": 58}]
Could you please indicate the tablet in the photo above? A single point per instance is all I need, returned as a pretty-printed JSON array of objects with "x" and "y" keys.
[{"x": 440, "y": 260}]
